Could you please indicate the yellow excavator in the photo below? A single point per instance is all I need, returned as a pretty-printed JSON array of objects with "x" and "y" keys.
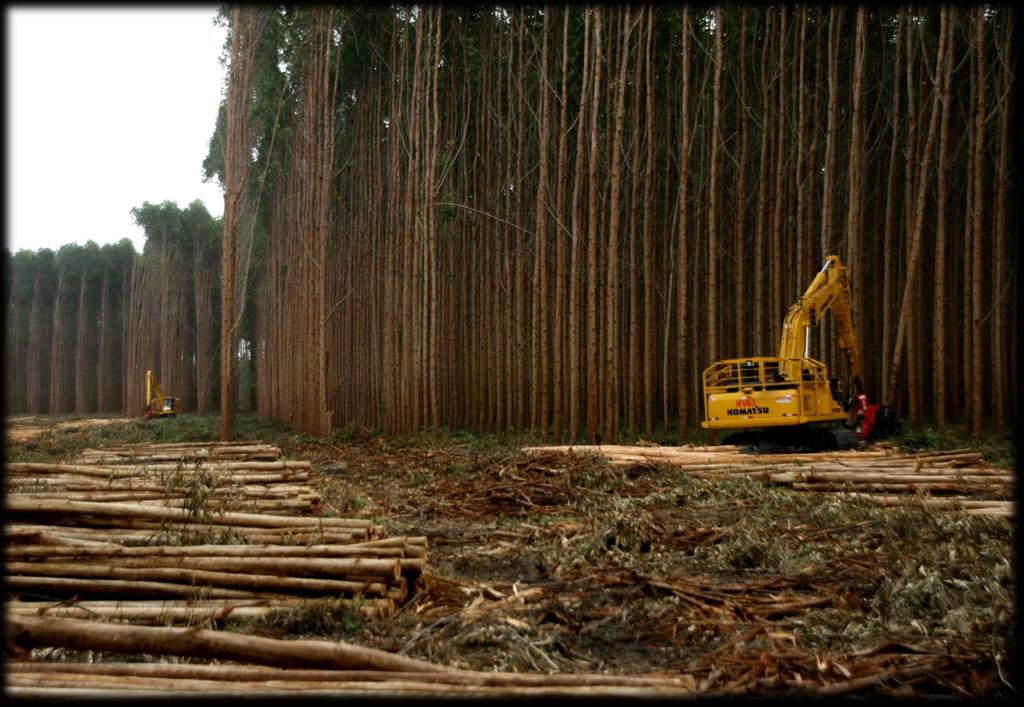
[
  {"x": 157, "y": 404},
  {"x": 790, "y": 402}
]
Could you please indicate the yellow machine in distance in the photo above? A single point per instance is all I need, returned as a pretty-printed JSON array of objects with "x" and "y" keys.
[
  {"x": 790, "y": 400},
  {"x": 157, "y": 404}
]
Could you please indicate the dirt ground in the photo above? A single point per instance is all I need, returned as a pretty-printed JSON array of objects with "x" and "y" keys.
[{"x": 558, "y": 563}]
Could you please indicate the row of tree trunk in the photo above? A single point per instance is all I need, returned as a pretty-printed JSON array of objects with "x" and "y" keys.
[
  {"x": 87, "y": 322},
  {"x": 555, "y": 220}
]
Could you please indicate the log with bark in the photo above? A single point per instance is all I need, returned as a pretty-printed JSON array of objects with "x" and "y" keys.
[
  {"x": 36, "y": 632},
  {"x": 270, "y": 665},
  {"x": 192, "y": 612}
]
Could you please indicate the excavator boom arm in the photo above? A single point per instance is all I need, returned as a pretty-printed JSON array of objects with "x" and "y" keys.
[
  {"x": 153, "y": 391},
  {"x": 830, "y": 290}
]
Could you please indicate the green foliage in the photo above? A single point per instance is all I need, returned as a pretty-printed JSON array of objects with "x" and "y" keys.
[
  {"x": 164, "y": 228},
  {"x": 202, "y": 230},
  {"x": 323, "y": 617},
  {"x": 997, "y": 446},
  {"x": 213, "y": 163}
]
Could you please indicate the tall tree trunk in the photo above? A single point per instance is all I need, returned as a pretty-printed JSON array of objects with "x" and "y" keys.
[
  {"x": 740, "y": 207},
  {"x": 237, "y": 159},
  {"x": 941, "y": 284},
  {"x": 760, "y": 317},
  {"x": 577, "y": 236},
  {"x": 631, "y": 380},
  {"x": 918, "y": 207},
  {"x": 800, "y": 161},
  {"x": 1000, "y": 280},
  {"x": 829, "y": 190},
  {"x": 889, "y": 249},
  {"x": 84, "y": 372},
  {"x": 540, "y": 366},
  {"x": 779, "y": 185},
  {"x": 855, "y": 177},
  {"x": 593, "y": 392},
  {"x": 713, "y": 206},
  {"x": 682, "y": 264},
  {"x": 978, "y": 375},
  {"x": 612, "y": 352},
  {"x": 648, "y": 235}
]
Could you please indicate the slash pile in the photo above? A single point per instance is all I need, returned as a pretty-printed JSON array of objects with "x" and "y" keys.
[
  {"x": 961, "y": 477},
  {"x": 178, "y": 533}
]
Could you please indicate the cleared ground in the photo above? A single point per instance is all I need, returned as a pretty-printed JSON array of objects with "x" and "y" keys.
[{"x": 553, "y": 563}]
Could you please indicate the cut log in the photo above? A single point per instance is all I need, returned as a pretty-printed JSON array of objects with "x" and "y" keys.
[
  {"x": 19, "y": 507},
  {"x": 71, "y": 586},
  {"x": 22, "y": 572},
  {"x": 230, "y": 551},
  {"x": 33, "y": 632}
]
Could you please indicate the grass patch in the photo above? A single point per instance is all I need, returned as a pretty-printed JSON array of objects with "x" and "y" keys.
[
  {"x": 997, "y": 446},
  {"x": 320, "y": 617}
]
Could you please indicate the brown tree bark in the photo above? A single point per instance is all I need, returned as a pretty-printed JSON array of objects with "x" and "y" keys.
[
  {"x": 889, "y": 249},
  {"x": 829, "y": 168},
  {"x": 740, "y": 206},
  {"x": 245, "y": 31},
  {"x": 575, "y": 265},
  {"x": 978, "y": 391},
  {"x": 612, "y": 351},
  {"x": 560, "y": 363},
  {"x": 39, "y": 349},
  {"x": 682, "y": 241},
  {"x": 912, "y": 262},
  {"x": 941, "y": 285},
  {"x": 593, "y": 391},
  {"x": 541, "y": 361},
  {"x": 85, "y": 370},
  {"x": 714, "y": 324},
  {"x": 775, "y": 286},
  {"x": 648, "y": 235},
  {"x": 760, "y": 316},
  {"x": 855, "y": 177},
  {"x": 800, "y": 248},
  {"x": 1001, "y": 333}
]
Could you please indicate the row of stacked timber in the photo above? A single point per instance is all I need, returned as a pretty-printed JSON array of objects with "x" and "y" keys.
[
  {"x": 156, "y": 533},
  {"x": 180, "y": 451},
  {"x": 961, "y": 478},
  {"x": 256, "y": 486}
]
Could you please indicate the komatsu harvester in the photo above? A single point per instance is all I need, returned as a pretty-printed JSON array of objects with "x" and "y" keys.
[{"x": 790, "y": 401}]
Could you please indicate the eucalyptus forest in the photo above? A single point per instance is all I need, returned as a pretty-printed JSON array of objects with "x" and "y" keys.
[
  {"x": 553, "y": 218},
  {"x": 444, "y": 375}
]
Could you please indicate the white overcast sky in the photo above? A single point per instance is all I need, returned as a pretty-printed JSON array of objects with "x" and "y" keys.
[{"x": 107, "y": 107}]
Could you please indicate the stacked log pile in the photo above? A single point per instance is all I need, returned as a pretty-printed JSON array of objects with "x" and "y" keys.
[
  {"x": 276, "y": 487},
  {"x": 206, "y": 477},
  {"x": 961, "y": 478},
  {"x": 150, "y": 532},
  {"x": 181, "y": 452}
]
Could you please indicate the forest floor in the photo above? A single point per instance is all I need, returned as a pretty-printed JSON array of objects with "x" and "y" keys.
[
  {"x": 25, "y": 427},
  {"x": 555, "y": 563}
]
